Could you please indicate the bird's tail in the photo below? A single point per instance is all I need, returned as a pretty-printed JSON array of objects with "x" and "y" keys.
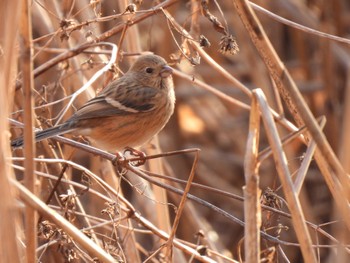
[{"x": 44, "y": 134}]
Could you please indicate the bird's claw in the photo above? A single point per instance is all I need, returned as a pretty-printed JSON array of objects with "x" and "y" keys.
[
  {"x": 136, "y": 153},
  {"x": 121, "y": 161}
]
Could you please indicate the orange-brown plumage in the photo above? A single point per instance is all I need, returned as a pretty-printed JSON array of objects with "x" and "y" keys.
[{"x": 128, "y": 112}]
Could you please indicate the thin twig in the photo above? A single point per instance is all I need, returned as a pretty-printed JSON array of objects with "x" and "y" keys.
[
  {"x": 182, "y": 204},
  {"x": 299, "y": 26}
]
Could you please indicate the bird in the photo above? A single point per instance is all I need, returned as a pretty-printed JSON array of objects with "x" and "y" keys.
[{"x": 127, "y": 113}]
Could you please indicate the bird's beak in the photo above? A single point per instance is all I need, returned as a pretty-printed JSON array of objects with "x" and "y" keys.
[{"x": 166, "y": 71}]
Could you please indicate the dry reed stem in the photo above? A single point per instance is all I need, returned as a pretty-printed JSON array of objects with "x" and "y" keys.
[
  {"x": 252, "y": 192},
  {"x": 11, "y": 229},
  {"x": 29, "y": 151},
  {"x": 285, "y": 177}
]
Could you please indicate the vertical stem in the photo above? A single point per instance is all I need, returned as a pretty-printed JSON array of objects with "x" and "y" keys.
[
  {"x": 280, "y": 159},
  {"x": 10, "y": 224},
  {"x": 252, "y": 209},
  {"x": 26, "y": 66}
]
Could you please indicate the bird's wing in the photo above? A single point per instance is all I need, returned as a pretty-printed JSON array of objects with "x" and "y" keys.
[{"x": 114, "y": 100}]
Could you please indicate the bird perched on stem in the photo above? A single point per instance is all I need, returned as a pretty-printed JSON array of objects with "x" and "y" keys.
[{"x": 128, "y": 112}]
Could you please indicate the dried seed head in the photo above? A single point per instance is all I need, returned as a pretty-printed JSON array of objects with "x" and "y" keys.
[
  {"x": 203, "y": 41},
  {"x": 228, "y": 45},
  {"x": 131, "y": 8}
]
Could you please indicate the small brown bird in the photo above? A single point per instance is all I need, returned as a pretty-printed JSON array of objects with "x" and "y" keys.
[{"x": 127, "y": 113}]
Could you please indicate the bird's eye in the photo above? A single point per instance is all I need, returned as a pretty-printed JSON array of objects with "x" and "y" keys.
[{"x": 149, "y": 70}]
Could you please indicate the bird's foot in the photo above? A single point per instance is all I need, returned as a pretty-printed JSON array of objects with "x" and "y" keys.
[
  {"x": 137, "y": 159},
  {"x": 139, "y": 155}
]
